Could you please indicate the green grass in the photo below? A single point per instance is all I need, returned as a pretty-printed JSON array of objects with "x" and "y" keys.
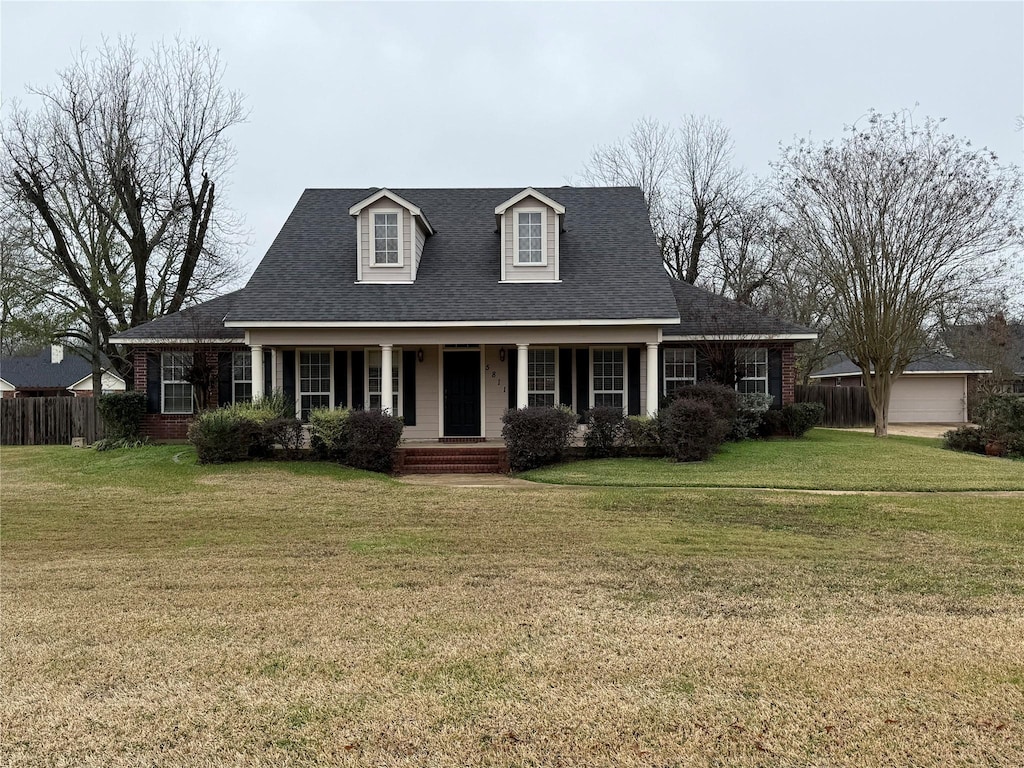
[
  {"x": 823, "y": 460},
  {"x": 285, "y": 613}
]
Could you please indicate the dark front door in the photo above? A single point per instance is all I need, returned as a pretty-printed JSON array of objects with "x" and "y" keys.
[{"x": 462, "y": 393}]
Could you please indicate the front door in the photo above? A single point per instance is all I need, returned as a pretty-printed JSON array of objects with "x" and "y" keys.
[{"x": 462, "y": 393}]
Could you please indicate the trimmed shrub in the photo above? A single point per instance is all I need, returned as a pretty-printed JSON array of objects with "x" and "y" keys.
[
  {"x": 283, "y": 431},
  {"x": 798, "y": 418},
  {"x": 772, "y": 424},
  {"x": 222, "y": 436},
  {"x": 640, "y": 433},
  {"x": 274, "y": 424},
  {"x": 691, "y": 430},
  {"x": 604, "y": 431},
  {"x": 750, "y": 411},
  {"x": 1001, "y": 421},
  {"x": 967, "y": 439},
  {"x": 328, "y": 433},
  {"x": 373, "y": 437},
  {"x": 537, "y": 436},
  {"x": 122, "y": 414},
  {"x": 724, "y": 400}
]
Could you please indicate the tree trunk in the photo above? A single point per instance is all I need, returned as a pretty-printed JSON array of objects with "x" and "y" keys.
[{"x": 879, "y": 389}]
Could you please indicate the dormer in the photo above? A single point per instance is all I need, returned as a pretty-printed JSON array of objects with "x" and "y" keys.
[
  {"x": 530, "y": 224},
  {"x": 390, "y": 232}
]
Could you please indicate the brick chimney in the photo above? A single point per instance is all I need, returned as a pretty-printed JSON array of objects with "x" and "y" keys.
[{"x": 56, "y": 353}]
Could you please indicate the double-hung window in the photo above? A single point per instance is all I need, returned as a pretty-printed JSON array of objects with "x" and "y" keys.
[
  {"x": 540, "y": 377},
  {"x": 680, "y": 368},
  {"x": 241, "y": 377},
  {"x": 530, "y": 226},
  {"x": 752, "y": 370},
  {"x": 374, "y": 383},
  {"x": 314, "y": 381},
  {"x": 175, "y": 391},
  {"x": 386, "y": 245},
  {"x": 609, "y": 367}
]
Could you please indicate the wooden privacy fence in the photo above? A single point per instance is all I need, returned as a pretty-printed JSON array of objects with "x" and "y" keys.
[
  {"x": 844, "y": 406},
  {"x": 49, "y": 420}
]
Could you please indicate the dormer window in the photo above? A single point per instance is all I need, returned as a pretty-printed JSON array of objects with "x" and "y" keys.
[
  {"x": 530, "y": 248},
  {"x": 387, "y": 247}
]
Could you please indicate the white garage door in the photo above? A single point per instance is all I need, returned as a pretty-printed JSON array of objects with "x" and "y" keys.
[{"x": 935, "y": 399}]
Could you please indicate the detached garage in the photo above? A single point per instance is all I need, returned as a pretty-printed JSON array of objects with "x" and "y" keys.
[{"x": 933, "y": 390}]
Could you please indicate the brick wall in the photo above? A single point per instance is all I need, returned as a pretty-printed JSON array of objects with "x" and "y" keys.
[
  {"x": 161, "y": 427},
  {"x": 788, "y": 374}
]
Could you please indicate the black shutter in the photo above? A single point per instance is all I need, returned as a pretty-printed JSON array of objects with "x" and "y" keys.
[
  {"x": 582, "y": 382},
  {"x": 513, "y": 376},
  {"x": 661, "y": 376},
  {"x": 775, "y": 376},
  {"x": 358, "y": 398},
  {"x": 153, "y": 382},
  {"x": 409, "y": 388},
  {"x": 268, "y": 373},
  {"x": 224, "y": 379},
  {"x": 288, "y": 376},
  {"x": 633, "y": 381},
  {"x": 565, "y": 376},
  {"x": 340, "y": 378}
]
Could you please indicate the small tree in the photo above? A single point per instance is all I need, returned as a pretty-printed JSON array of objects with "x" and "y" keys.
[{"x": 900, "y": 221}]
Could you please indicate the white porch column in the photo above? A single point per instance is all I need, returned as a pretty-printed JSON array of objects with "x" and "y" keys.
[
  {"x": 276, "y": 371},
  {"x": 257, "y": 372},
  {"x": 522, "y": 375},
  {"x": 652, "y": 378},
  {"x": 386, "y": 390}
]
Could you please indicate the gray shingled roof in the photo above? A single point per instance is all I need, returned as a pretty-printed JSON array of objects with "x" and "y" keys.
[
  {"x": 610, "y": 266},
  {"x": 703, "y": 313},
  {"x": 36, "y": 371},
  {"x": 203, "y": 321},
  {"x": 928, "y": 363}
]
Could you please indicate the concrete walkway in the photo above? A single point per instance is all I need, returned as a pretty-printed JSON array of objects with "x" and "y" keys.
[
  {"x": 907, "y": 430},
  {"x": 481, "y": 480}
]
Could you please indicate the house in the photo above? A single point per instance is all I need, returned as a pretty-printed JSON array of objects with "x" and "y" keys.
[
  {"x": 934, "y": 389},
  {"x": 999, "y": 345},
  {"x": 449, "y": 306},
  {"x": 56, "y": 371}
]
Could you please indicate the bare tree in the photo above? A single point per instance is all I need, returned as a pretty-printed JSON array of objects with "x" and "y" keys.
[
  {"x": 115, "y": 178},
  {"x": 900, "y": 221},
  {"x": 688, "y": 178}
]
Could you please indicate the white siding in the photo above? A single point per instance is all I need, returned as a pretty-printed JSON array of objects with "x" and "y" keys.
[
  {"x": 515, "y": 272},
  {"x": 372, "y": 273},
  {"x": 420, "y": 240},
  {"x": 495, "y": 390},
  {"x": 427, "y": 416}
]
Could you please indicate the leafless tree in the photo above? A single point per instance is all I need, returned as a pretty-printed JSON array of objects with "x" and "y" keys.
[
  {"x": 900, "y": 221},
  {"x": 115, "y": 176},
  {"x": 688, "y": 178}
]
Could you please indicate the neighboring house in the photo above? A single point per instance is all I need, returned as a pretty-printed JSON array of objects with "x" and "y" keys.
[
  {"x": 55, "y": 372},
  {"x": 997, "y": 344},
  {"x": 449, "y": 306},
  {"x": 933, "y": 389}
]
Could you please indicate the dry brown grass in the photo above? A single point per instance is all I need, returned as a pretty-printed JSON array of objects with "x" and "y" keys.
[{"x": 274, "y": 615}]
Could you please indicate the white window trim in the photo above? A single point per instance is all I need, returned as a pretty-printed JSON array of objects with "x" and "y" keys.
[
  {"x": 298, "y": 377},
  {"x": 767, "y": 373},
  {"x": 625, "y": 378},
  {"x": 396, "y": 360},
  {"x": 163, "y": 387},
  {"x": 529, "y": 391},
  {"x": 665, "y": 378},
  {"x": 543, "y": 237},
  {"x": 234, "y": 381},
  {"x": 373, "y": 238}
]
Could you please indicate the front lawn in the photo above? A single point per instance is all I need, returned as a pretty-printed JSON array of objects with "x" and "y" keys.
[
  {"x": 825, "y": 459},
  {"x": 156, "y": 612}
]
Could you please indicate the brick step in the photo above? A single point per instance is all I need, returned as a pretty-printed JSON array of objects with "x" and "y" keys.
[
  {"x": 451, "y": 469},
  {"x": 450, "y": 459}
]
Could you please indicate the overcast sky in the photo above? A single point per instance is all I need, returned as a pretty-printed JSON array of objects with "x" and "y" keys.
[{"x": 489, "y": 94}]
